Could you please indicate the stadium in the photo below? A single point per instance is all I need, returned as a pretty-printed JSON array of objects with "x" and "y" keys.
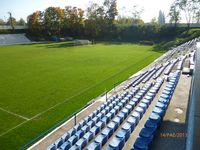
[{"x": 99, "y": 75}]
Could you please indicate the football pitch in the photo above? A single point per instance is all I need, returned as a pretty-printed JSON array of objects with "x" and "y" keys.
[{"x": 41, "y": 84}]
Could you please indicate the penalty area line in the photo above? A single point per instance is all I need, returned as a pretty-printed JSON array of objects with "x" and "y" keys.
[{"x": 14, "y": 114}]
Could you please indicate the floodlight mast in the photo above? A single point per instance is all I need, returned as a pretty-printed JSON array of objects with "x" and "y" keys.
[{"x": 11, "y": 21}]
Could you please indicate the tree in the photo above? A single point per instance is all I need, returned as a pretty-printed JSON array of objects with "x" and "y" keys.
[
  {"x": 73, "y": 20},
  {"x": 154, "y": 21},
  {"x": 96, "y": 21},
  {"x": 11, "y": 21},
  {"x": 53, "y": 20},
  {"x": 174, "y": 14},
  {"x": 197, "y": 17},
  {"x": 161, "y": 18},
  {"x": 21, "y": 22},
  {"x": 110, "y": 7},
  {"x": 35, "y": 22},
  {"x": 189, "y": 7},
  {"x": 137, "y": 12},
  {"x": 2, "y": 22}
]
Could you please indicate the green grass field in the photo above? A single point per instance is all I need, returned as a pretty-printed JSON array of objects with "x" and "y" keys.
[{"x": 41, "y": 84}]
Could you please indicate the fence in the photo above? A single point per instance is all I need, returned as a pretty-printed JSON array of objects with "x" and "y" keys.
[{"x": 6, "y": 27}]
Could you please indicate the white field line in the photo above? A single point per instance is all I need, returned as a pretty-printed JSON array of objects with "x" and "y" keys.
[
  {"x": 39, "y": 114},
  {"x": 13, "y": 128},
  {"x": 100, "y": 99},
  {"x": 14, "y": 114}
]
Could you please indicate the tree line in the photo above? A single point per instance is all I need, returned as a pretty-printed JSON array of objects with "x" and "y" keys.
[
  {"x": 104, "y": 22},
  {"x": 73, "y": 21},
  {"x": 190, "y": 9}
]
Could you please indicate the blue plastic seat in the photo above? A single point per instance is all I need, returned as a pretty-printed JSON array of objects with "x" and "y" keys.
[
  {"x": 114, "y": 112},
  {"x": 105, "y": 119},
  {"x": 151, "y": 94},
  {"x": 110, "y": 115},
  {"x": 117, "y": 108},
  {"x": 75, "y": 147},
  {"x": 116, "y": 144},
  {"x": 133, "y": 122},
  {"x": 141, "y": 144},
  {"x": 171, "y": 83},
  {"x": 125, "y": 134},
  {"x": 136, "y": 115},
  {"x": 121, "y": 115},
  {"x": 65, "y": 146},
  {"x": 140, "y": 110},
  {"x": 102, "y": 139},
  {"x": 81, "y": 143},
  {"x": 66, "y": 136},
  {"x": 82, "y": 123},
  {"x": 100, "y": 124},
  {"x": 129, "y": 108},
  {"x": 107, "y": 109},
  {"x": 147, "y": 102},
  {"x": 161, "y": 105},
  {"x": 143, "y": 105},
  {"x": 125, "y": 111},
  {"x": 117, "y": 100},
  {"x": 87, "y": 119},
  {"x": 132, "y": 104},
  {"x": 162, "y": 100},
  {"x": 126, "y": 99},
  {"x": 72, "y": 131},
  {"x": 120, "y": 105},
  {"x": 138, "y": 96},
  {"x": 98, "y": 110},
  {"x": 95, "y": 112},
  {"x": 117, "y": 120},
  {"x": 113, "y": 125},
  {"x": 73, "y": 139},
  {"x": 141, "y": 94},
  {"x": 144, "y": 91},
  {"x": 165, "y": 96},
  {"x": 123, "y": 102},
  {"x": 91, "y": 123},
  {"x": 88, "y": 136},
  {"x": 114, "y": 104},
  {"x": 155, "y": 118},
  {"x": 168, "y": 89},
  {"x": 85, "y": 128},
  {"x": 166, "y": 92},
  {"x": 154, "y": 91},
  {"x": 103, "y": 112},
  {"x": 150, "y": 124},
  {"x": 95, "y": 130},
  {"x": 107, "y": 131},
  {"x": 79, "y": 134},
  {"x": 159, "y": 111},
  {"x": 130, "y": 95},
  {"x": 95, "y": 119},
  {"x": 52, "y": 147},
  {"x": 92, "y": 115},
  {"x": 147, "y": 132},
  {"x": 111, "y": 106},
  {"x": 135, "y": 100},
  {"x": 148, "y": 98},
  {"x": 100, "y": 115},
  {"x": 170, "y": 86},
  {"x": 127, "y": 126}
]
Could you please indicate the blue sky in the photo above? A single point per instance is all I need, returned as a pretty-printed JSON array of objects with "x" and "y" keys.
[{"x": 22, "y": 8}]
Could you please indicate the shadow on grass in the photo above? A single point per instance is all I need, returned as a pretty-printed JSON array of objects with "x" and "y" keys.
[{"x": 60, "y": 45}]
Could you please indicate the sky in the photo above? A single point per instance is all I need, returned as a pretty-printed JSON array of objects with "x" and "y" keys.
[{"x": 23, "y": 8}]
